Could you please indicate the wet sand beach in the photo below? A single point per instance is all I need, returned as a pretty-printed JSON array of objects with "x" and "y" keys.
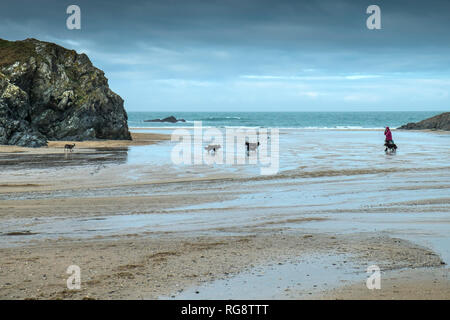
[
  {"x": 141, "y": 227},
  {"x": 138, "y": 139}
]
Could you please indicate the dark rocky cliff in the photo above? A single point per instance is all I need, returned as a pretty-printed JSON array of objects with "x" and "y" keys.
[
  {"x": 48, "y": 92},
  {"x": 439, "y": 122}
]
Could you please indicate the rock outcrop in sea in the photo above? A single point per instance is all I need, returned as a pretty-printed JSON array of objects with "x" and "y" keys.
[
  {"x": 170, "y": 119},
  {"x": 48, "y": 92},
  {"x": 439, "y": 122}
]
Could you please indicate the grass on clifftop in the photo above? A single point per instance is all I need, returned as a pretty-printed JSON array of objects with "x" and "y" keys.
[{"x": 12, "y": 51}]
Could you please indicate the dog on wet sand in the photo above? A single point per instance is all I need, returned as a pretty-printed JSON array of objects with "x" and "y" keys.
[
  {"x": 391, "y": 146},
  {"x": 250, "y": 146},
  {"x": 212, "y": 147},
  {"x": 69, "y": 147}
]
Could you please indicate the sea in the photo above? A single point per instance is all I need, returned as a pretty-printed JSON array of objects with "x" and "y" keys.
[{"x": 307, "y": 120}]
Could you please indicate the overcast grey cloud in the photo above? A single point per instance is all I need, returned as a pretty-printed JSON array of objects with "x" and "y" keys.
[{"x": 254, "y": 55}]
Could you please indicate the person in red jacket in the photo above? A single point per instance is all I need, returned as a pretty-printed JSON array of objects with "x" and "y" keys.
[
  {"x": 389, "y": 143},
  {"x": 388, "y": 135}
]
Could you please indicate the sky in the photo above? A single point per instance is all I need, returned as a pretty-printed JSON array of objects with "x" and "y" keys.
[{"x": 254, "y": 55}]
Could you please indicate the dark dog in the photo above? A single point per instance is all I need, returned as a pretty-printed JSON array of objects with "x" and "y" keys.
[
  {"x": 391, "y": 146},
  {"x": 69, "y": 147},
  {"x": 212, "y": 147},
  {"x": 251, "y": 146}
]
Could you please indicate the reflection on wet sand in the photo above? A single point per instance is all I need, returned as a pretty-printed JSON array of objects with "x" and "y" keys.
[{"x": 99, "y": 156}]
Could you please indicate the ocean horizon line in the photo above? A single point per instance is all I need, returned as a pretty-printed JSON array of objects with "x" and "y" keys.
[
  {"x": 342, "y": 128},
  {"x": 324, "y": 111}
]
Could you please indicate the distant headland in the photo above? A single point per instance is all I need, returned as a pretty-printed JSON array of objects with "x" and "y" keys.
[{"x": 439, "y": 122}]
